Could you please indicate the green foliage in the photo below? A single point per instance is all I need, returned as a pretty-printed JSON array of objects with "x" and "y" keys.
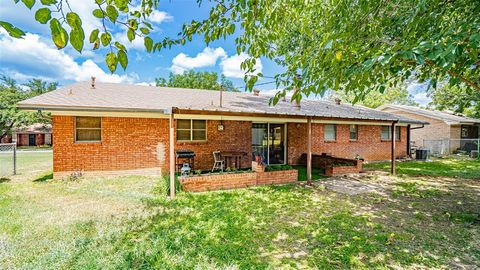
[
  {"x": 10, "y": 94},
  {"x": 43, "y": 15},
  {"x": 272, "y": 168},
  {"x": 449, "y": 167},
  {"x": 196, "y": 80},
  {"x": 12, "y": 30},
  {"x": 59, "y": 34},
  {"x": 458, "y": 98},
  {"x": 356, "y": 46},
  {"x": 373, "y": 99}
]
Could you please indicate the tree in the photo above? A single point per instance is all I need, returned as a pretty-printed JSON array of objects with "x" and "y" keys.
[
  {"x": 353, "y": 45},
  {"x": 458, "y": 98},
  {"x": 196, "y": 80},
  {"x": 10, "y": 94},
  {"x": 396, "y": 95}
]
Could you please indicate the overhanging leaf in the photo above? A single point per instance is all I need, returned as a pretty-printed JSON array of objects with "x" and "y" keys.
[
  {"x": 148, "y": 43},
  {"x": 59, "y": 34},
  {"x": 12, "y": 30},
  {"x": 111, "y": 60},
  {"x": 122, "y": 58},
  {"x": 29, "y": 3},
  {"x": 43, "y": 15},
  {"x": 112, "y": 13},
  {"x": 94, "y": 35},
  {"x": 105, "y": 38}
]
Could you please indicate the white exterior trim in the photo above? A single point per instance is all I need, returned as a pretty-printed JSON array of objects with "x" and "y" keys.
[{"x": 222, "y": 117}]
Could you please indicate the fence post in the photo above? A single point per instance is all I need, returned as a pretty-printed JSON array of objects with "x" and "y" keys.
[{"x": 15, "y": 158}]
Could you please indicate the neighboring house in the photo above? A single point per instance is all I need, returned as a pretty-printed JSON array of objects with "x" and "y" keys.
[
  {"x": 446, "y": 129},
  {"x": 110, "y": 127},
  {"x": 37, "y": 134}
]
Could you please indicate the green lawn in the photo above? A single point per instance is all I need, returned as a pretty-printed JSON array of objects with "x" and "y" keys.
[
  {"x": 124, "y": 222},
  {"x": 449, "y": 167}
]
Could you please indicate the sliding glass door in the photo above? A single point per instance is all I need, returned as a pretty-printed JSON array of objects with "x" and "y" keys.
[{"x": 269, "y": 142}]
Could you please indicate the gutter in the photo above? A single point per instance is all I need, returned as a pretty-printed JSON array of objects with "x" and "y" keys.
[{"x": 423, "y": 125}]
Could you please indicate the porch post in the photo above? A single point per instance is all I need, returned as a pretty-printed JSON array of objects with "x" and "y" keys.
[
  {"x": 393, "y": 168},
  {"x": 309, "y": 151},
  {"x": 172, "y": 156}
]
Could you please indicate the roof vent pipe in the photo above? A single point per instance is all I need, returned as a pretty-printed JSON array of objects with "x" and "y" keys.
[
  {"x": 256, "y": 92},
  {"x": 338, "y": 101},
  {"x": 93, "y": 82}
]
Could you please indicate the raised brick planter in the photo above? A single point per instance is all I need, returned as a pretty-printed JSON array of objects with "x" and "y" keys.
[
  {"x": 236, "y": 180},
  {"x": 339, "y": 170}
]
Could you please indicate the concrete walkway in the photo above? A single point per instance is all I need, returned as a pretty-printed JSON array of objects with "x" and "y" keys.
[{"x": 350, "y": 186}]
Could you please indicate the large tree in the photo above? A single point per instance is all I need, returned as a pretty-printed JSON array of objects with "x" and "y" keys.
[
  {"x": 394, "y": 95},
  {"x": 458, "y": 98},
  {"x": 197, "y": 80},
  {"x": 356, "y": 46},
  {"x": 10, "y": 94}
]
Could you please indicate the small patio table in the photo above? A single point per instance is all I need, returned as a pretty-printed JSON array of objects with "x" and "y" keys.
[{"x": 233, "y": 159}]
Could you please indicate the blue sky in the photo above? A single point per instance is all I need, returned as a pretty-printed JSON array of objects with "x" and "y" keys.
[{"x": 35, "y": 56}]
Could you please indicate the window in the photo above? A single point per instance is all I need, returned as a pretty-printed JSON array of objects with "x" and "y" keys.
[
  {"x": 353, "y": 132},
  {"x": 330, "y": 132},
  {"x": 88, "y": 129},
  {"x": 387, "y": 131},
  {"x": 191, "y": 130}
]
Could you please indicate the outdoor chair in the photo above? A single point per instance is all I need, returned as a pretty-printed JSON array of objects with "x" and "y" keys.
[{"x": 219, "y": 163}]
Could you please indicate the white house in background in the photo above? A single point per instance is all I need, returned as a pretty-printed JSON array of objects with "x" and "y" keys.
[{"x": 447, "y": 130}]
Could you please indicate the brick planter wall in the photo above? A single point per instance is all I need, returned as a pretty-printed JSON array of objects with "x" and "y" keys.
[
  {"x": 338, "y": 170},
  {"x": 236, "y": 180}
]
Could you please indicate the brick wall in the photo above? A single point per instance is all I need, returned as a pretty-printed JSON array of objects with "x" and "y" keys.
[
  {"x": 236, "y": 180},
  {"x": 236, "y": 136},
  {"x": 369, "y": 144},
  {"x": 137, "y": 143},
  {"x": 127, "y": 143},
  {"x": 436, "y": 130}
]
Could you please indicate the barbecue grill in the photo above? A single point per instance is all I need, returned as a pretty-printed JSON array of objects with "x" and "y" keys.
[{"x": 184, "y": 156}]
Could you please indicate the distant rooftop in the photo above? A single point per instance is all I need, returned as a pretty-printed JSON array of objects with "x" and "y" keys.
[
  {"x": 34, "y": 128},
  {"x": 446, "y": 116},
  {"x": 137, "y": 98}
]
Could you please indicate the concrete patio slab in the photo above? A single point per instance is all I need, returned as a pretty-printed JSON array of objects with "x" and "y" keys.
[{"x": 350, "y": 186}]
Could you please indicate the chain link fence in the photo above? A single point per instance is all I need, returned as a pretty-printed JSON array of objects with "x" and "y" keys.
[
  {"x": 453, "y": 146},
  {"x": 8, "y": 159}
]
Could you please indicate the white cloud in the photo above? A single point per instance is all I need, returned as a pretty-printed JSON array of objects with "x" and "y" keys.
[
  {"x": 231, "y": 66},
  {"x": 31, "y": 57},
  {"x": 207, "y": 58},
  {"x": 160, "y": 16}
]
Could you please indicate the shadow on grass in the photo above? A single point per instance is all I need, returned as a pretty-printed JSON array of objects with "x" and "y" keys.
[
  {"x": 4, "y": 180},
  {"x": 44, "y": 178}
]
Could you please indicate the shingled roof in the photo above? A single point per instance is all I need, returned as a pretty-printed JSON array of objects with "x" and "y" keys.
[
  {"x": 136, "y": 98},
  {"x": 448, "y": 117}
]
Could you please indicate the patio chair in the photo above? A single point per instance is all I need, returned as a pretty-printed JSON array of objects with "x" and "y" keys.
[{"x": 219, "y": 162}]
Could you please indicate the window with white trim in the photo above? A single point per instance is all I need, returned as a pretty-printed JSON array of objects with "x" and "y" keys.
[
  {"x": 191, "y": 130},
  {"x": 88, "y": 129},
  {"x": 387, "y": 133},
  {"x": 330, "y": 132},
  {"x": 353, "y": 132}
]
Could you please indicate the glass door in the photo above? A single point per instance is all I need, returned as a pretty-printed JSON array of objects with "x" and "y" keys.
[
  {"x": 269, "y": 143},
  {"x": 276, "y": 145}
]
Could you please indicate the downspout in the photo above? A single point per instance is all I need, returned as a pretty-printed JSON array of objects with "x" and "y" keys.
[{"x": 409, "y": 147}]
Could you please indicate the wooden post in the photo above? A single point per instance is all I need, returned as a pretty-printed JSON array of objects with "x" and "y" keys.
[
  {"x": 309, "y": 151},
  {"x": 172, "y": 156},
  {"x": 393, "y": 169}
]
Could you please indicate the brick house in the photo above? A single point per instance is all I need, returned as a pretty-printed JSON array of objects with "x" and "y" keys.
[
  {"x": 117, "y": 127},
  {"x": 38, "y": 134},
  {"x": 446, "y": 128}
]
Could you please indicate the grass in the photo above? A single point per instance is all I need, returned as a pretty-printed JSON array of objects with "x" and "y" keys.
[
  {"x": 446, "y": 167},
  {"x": 317, "y": 174},
  {"x": 124, "y": 222}
]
